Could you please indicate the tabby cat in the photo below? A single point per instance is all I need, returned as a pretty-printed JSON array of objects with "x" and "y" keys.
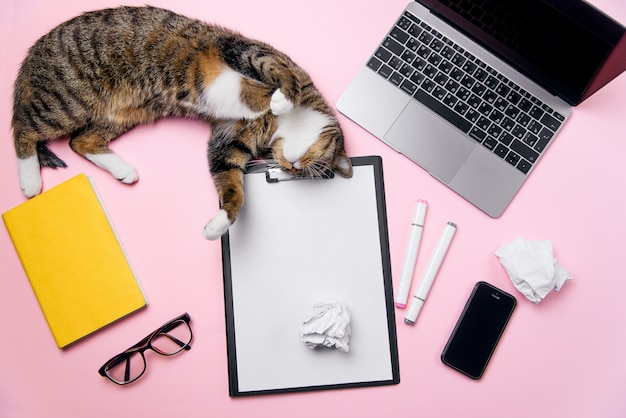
[{"x": 102, "y": 73}]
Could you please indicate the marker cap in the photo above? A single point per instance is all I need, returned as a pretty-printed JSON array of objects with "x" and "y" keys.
[
  {"x": 420, "y": 212},
  {"x": 414, "y": 309}
]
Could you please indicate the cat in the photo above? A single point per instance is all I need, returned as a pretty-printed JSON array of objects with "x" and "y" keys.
[{"x": 104, "y": 72}]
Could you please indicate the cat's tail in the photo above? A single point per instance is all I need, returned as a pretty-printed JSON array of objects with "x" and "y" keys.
[{"x": 48, "y": 158}]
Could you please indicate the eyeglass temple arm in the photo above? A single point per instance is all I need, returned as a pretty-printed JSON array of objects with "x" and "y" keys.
[
  {"x": 178, "y": 342},
  {"x": 127, "y": 371}
]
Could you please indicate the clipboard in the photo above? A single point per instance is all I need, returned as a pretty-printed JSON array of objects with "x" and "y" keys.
[{"x": 297, "y": 243}]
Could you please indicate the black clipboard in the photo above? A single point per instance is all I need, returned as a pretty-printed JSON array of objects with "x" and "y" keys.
[{"x": 297, "y": 243}]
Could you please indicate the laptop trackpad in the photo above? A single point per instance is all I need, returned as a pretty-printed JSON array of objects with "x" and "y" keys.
[{"x": 429, "y": 141}]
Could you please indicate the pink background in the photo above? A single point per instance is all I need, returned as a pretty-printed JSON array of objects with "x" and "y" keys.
[{"x": 564, "y": 357}]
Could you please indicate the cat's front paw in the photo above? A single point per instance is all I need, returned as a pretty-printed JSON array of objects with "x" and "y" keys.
[
  {"x": 217, "y": 226},
  {"x": 280, "y": 104},
  {"x": 119, "y": 168}
]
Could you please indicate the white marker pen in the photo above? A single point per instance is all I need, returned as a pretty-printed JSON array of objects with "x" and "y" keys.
[
  {"x": 410, "y": 254},
  {"x": 431, "y": 272}
]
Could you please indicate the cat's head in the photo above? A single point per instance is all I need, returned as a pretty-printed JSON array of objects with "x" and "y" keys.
[{"x": 310, "y": 143}]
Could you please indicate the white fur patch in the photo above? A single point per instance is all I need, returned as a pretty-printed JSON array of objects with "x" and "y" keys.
[
  {"x": 221, "y": 98},
  {"x": 217, "y": 226},
  {"x": 29, "y": 174},
  {"x": 299, "y": 129},
  {"x": 280, "y": 105},
  {"x": 111, "y": 162}
]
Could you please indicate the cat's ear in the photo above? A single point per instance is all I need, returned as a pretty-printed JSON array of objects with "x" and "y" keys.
[{"x": 342, "y": 165}]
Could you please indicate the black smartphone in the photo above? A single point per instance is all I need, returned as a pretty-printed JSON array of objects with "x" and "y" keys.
[{"x": 478, "y": 330}]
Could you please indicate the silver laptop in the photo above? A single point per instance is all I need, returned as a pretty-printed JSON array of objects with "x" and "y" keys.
[{"x": 474, "y": 91}]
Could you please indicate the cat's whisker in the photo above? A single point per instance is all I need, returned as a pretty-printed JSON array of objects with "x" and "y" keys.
[{"x": 321, "y": 169}]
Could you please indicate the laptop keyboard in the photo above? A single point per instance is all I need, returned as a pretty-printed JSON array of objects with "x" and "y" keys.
[{"x": 474, "y": 97}]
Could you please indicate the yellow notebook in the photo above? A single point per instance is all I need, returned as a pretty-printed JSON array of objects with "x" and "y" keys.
[{"x": 74, "y": 260}]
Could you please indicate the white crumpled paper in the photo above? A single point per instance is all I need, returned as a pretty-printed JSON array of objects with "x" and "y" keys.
[
  {"x": 328, "y": 326},
  {"x": 532, "y": 268}
]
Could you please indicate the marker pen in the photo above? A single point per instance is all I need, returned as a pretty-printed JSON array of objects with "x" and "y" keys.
[
  {"x": 431, "y": 272},
  {"x": 410, "y": 254}
]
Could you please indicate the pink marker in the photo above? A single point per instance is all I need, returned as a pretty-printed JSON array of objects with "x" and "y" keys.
[{"x": 410, "y": 255}]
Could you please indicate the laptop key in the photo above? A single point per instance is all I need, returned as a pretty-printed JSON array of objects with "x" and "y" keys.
[
  {"x": 530, "y": 139},
  {"x": 443, "y": 111},
  {"x": 393, "y": 46},
  {"x": 408, "y": 56},
  {"x": 518, "y": 132},
  {"x": 550, "y": 122},
  {"x": 425, "y": 37},
  {"x": 423, "y": 51},
  {"x": 435, "y": 59},
  {"x": 514, "y": 97},
  {"x": 490, "y": 96},
  {"x": 428, "y": 85},
  {"x": 502, "y": 89},
  {"x": 461, "y": 108},
  {"x": 441, "y": 79},
  {"x": 417, "y": 77},
  {"x": 512, "y": 158},
  {"x": 399, "y": 35},
  {"x": 449, "y": 100},
  {"x": 544, "y": 137},
  {"x": 491, "y": 82},
  {"x": 419, "y": 64},
  {"x": 536, "y": 112},
  {"x": 472, "y": 115},
  {"x": 477, "y": 134},
  {"x": 406, "y": 70},
  {"x": 374, "y": 63},
  {"x": 415, "y": 30},
  {"x": 501, "y": 104},
  {"x": 385, "y": 71},
  {"x": 463, "y": 93},
  {"x": 490, "y": 143},
  {"x": 404, "y": 23},
  {"x": 506, "y": 138},
  {"x": 524, "y": 150},
  {"x": 408, "y": 87},
  {"x": 523, "y": 166},
  {"x": 396, "y": 78},
  {"x": 496, "y": 116},
  {"x": 483, "y": 123},
  {"x": 383, "y": 55},
  {"x": 501, "y": 151},
  {"x": 439, "y": 93}
]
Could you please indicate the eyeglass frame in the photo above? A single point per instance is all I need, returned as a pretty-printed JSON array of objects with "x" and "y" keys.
[{"x": 146, "y": 344}]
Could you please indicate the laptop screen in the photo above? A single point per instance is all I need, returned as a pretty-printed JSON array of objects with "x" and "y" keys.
[{"x": 561, "y": 44}]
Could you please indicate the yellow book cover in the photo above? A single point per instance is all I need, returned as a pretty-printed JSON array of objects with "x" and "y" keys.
[{"x": 74, "y": 260}]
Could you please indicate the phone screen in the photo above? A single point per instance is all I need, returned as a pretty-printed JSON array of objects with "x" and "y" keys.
[{"x": 478, "y": 330}]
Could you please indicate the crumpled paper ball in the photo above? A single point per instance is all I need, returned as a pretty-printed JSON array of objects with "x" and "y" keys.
[
  {"x": 532, "y": 268},
  {"x": 328, "y": 326}
]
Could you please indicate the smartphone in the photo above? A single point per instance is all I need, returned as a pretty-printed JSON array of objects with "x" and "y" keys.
[{"x": 478, "y": 330}]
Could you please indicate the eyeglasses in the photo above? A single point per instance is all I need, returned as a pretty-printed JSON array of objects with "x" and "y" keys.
[{"x": 170, "y": 339}]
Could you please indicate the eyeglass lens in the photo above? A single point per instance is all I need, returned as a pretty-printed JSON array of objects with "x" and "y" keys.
[{"x": 172, "y": 339}]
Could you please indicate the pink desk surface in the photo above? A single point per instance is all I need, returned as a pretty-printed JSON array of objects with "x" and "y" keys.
[{"x": 565, "y": 357}]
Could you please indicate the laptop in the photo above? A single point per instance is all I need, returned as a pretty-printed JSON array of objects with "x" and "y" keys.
[{"x": 474, "y": 91}]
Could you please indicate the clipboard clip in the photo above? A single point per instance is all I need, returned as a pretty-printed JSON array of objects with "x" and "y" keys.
[{"x": 275, "y": 175}]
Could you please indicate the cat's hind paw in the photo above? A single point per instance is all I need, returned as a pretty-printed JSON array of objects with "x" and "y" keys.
[
  {"x": 29, "y": 176},
  {"x": 280, "y": 104},
  {"x": 217, "y": 226}
]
